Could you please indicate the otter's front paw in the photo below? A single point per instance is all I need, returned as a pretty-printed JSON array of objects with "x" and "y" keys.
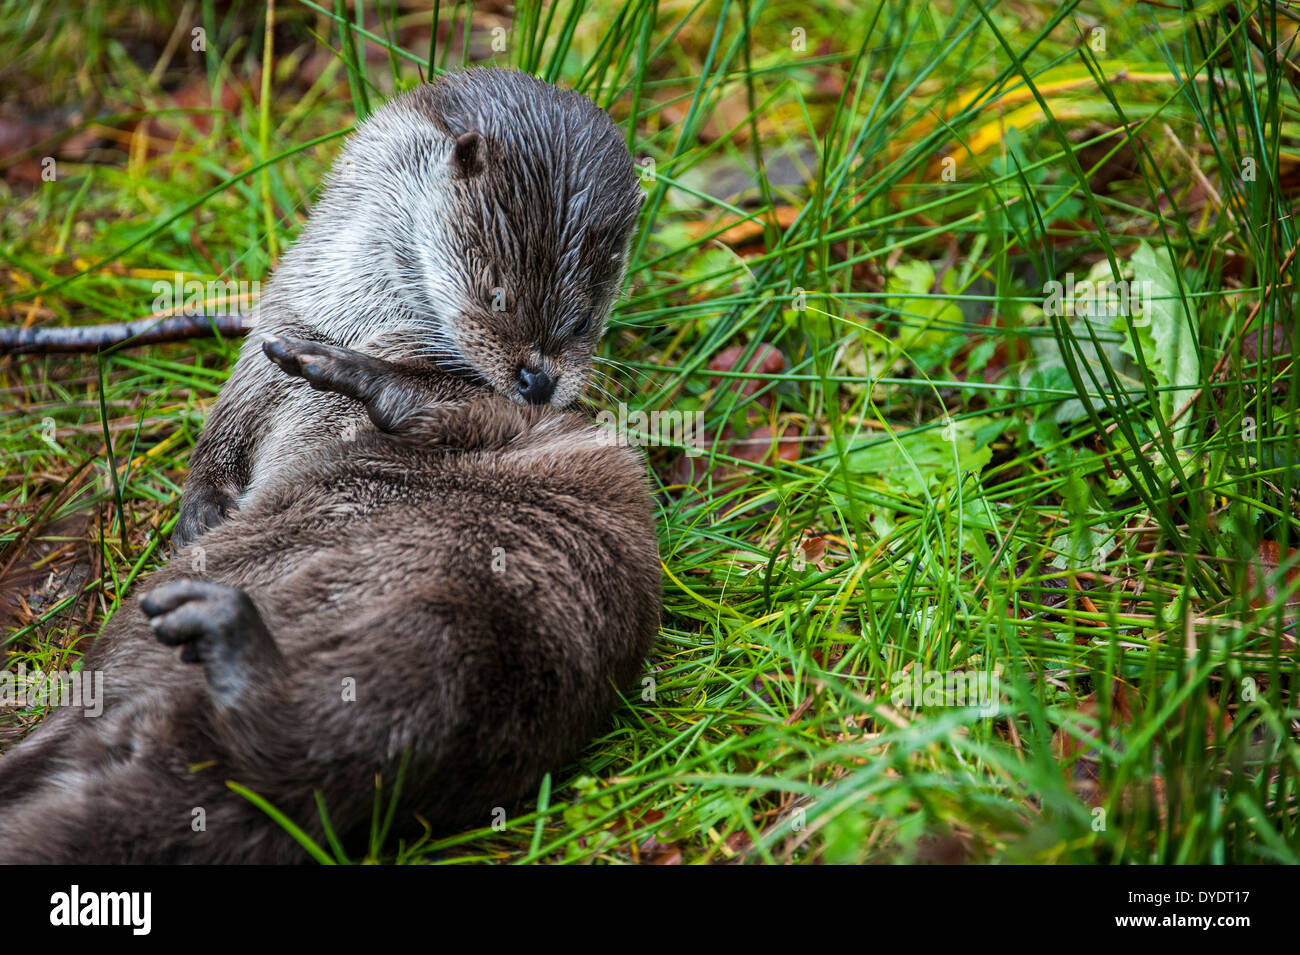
[
  {"x": 202, "y": 508},
  {"x": 325, "y": 367},
  {"x": 215, "y": 625},
  {"x": 384, "y": 390}
]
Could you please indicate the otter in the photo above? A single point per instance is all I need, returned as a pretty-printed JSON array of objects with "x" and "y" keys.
[
  {"x": 397, "y": 553},
  {"x": 455, "y": 594},
  {"x": 480, "y": 222}
]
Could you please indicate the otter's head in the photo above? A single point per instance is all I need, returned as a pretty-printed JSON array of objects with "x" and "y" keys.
[{"x": 500, "y": 209}]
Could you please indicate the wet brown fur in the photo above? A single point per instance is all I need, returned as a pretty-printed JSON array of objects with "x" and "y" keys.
[{"x": 375, "y": 561}]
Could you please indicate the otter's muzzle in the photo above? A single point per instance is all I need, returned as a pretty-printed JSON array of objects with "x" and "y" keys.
[{"x": 535, "y": 385}]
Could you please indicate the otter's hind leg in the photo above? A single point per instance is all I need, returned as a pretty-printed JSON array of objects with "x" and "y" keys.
[
  {"x": 218, "y": 626},
  {"x": 34, "y": 760}
]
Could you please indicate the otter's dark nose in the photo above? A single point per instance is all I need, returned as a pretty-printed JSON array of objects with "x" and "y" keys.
[{"x": 536, "y": 386}]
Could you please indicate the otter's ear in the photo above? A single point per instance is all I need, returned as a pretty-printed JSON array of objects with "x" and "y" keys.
[{"x": 467, "y": 156}]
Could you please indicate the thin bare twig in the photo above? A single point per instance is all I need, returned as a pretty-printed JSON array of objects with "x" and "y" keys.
[{"x": 145, "y": 331}]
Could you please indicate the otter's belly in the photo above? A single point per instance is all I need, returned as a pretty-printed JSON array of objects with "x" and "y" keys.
[{"x": 306, "y": 422}]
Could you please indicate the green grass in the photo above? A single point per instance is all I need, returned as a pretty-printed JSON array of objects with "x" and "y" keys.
[{"x": 1103, "y": 513}]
